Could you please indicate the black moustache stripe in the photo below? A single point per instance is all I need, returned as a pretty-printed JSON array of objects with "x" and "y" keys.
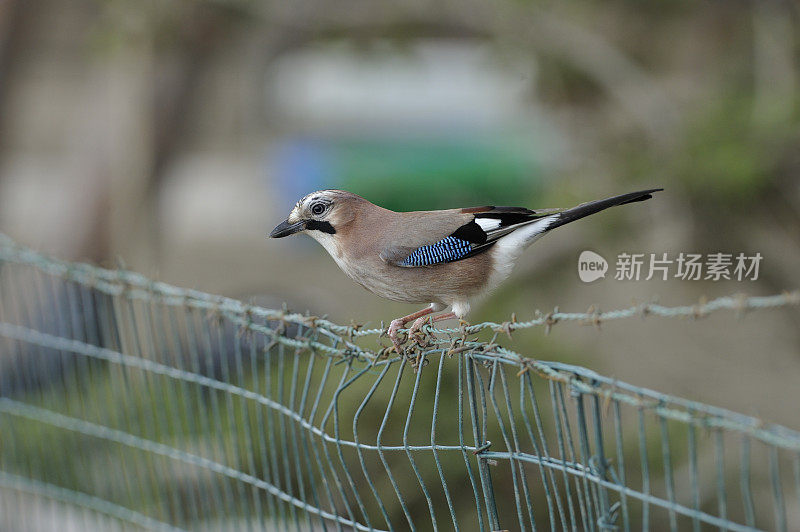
[{"x": 325, "y": 227}]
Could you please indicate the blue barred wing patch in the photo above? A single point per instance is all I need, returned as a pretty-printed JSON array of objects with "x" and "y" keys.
[{"x": 445, "y": 250}]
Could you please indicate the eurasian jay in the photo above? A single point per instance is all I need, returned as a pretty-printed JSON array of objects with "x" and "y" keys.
[{"x": 443, "y": 258}]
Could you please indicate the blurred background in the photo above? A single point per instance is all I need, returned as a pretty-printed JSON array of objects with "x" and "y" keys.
[{"x": 170, "y": 137}]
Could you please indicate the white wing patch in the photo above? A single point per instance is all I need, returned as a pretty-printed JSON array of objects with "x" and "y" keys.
[
  {"x": 509, "y": 248},
  {"x": 514, "y": 243},
  {"x": 487, "y": 224}
]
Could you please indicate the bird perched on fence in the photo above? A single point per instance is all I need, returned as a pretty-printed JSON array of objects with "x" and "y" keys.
[{"x": 442, "y": 258}]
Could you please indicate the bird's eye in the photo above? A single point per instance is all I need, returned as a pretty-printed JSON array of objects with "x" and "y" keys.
[{"x": 317, "y": 208}]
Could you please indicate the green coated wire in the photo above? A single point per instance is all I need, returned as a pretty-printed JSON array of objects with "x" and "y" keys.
[{"x": 82, "y": 500}]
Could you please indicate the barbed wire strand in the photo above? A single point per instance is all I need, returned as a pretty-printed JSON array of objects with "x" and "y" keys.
[{"x": 137, "y": 286}]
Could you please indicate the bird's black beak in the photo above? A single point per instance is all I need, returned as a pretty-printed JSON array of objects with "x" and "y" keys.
[{"x": 286, "y": 229}]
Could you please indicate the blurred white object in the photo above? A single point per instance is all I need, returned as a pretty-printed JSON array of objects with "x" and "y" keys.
[{"x": 431, "y": 82}]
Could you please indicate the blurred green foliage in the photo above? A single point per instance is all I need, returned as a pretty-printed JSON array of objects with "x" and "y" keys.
[{"x": 421, "y": 174}]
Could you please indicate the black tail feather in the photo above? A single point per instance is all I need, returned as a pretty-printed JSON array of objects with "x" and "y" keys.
[{"x": 585, "y": 209}]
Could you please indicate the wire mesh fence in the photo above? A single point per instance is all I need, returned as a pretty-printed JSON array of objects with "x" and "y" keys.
[{"x": 131, "y": 404}]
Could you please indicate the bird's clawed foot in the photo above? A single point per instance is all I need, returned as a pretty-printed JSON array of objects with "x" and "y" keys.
[
  {"x": 394, "y": 327},
  {"x": 414, "y": 333},
  {"x": 417, "y": 325},
  {"x": 399, "y": 323},
  {"x": 418, "y": 334}
]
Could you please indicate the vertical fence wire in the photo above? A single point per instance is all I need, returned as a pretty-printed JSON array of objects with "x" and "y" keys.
[{"x": 136, "y": 404}]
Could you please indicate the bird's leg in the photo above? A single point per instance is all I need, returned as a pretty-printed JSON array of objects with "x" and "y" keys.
[
  {"x": 398, "y": 323},
  {"x": 445, "y": 316}
]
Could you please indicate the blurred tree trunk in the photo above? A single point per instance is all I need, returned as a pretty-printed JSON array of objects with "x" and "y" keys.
[{"x": 12, "y": 28}]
